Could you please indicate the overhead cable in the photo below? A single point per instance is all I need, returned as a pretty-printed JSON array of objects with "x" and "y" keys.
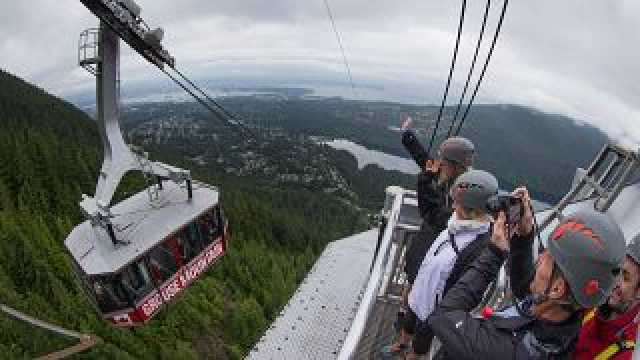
[
  {"x": 484, "y": 68},
  {"x": 451, "y": 68},
  {"x": 222, "y": 114},
  {"x": 471, "y": 68},
  {"x": 344, "y": 55}
]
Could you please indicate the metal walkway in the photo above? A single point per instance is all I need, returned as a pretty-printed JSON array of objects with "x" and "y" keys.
[{"x": 315, "y": 322}]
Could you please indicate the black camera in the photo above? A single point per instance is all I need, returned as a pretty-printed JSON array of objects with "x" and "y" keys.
[{"x": 511, "y": 205}]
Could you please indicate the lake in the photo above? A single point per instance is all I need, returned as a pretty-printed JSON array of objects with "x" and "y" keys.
[{"x": 365, "y": 156}]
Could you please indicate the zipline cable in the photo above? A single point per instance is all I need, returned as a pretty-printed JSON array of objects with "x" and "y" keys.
[
  {"x": 473, "y": 64},
  {"x": 484, "y": 68},
  {"x": 344, "y": 55},
  {"x": 453, "y": 64}
]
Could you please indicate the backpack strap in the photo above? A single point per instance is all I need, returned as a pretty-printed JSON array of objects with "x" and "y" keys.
[{"x": 452, "y": 241}]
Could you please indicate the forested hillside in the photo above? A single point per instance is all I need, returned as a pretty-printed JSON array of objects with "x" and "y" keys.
[
  {"x": 50, "y": 154},
  {"x": 520, "y": 145}
]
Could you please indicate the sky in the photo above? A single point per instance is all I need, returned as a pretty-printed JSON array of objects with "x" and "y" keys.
[{"x": 574, "y": 57}]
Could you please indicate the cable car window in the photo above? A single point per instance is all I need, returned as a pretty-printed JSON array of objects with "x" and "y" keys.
[
  {"x": 220, "y": 220},
  {"x": 194, "y": 236},
  {"x": 210, "y": 224},
  {"x": 205, "y": 228},
  {"x": 110, "y": 295},
  {"x": 187, "y": 248},
  {"x": 162, "y": 263},
  {"x": 136, "y": 280}
]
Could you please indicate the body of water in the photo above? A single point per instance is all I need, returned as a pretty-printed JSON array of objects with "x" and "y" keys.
[{"x": 366, "y": 156}]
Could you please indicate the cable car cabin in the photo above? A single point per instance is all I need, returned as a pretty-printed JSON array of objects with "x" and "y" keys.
[{"x": 162, "y": 247}]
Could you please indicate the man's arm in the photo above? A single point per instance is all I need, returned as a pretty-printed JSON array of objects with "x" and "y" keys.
[
  {"x": 462, "y": 335},
  {"x": 417, "y": 152},
  {"x": 431, "y": 202},
  {"x": 521, "y": 268},
  {"x": 466, "y": 294}
]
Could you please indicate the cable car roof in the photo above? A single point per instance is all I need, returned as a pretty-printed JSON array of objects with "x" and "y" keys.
[{"x": 140, "y": 223}]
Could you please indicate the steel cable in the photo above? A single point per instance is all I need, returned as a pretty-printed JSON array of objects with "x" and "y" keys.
[
  {"x": 344, "y": 55},
  {"x": 484, "y": 68},
  {"x": 471, "y": 68},
  {"x": 451, "y": 68}
]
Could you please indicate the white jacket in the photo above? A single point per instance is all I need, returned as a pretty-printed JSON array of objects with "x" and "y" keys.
[{"x": 428, "y": 288}]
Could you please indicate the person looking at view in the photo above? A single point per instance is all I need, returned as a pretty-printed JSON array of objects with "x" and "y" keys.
[
  {"x": 448, "y": 257},
  {"x": 455, "y": 156},
  {"x": 576, "y": 271}
]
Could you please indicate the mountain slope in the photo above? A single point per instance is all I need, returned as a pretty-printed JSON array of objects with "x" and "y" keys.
[
  {"x": 50, "y": 154},
  {"x": 518, "y": 144}
]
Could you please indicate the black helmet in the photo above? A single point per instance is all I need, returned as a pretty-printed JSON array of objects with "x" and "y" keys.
[
  {"x": 458, "y": 150},
  {"x": 473, "y": 189},
  {"x": 589, "y": 248}
]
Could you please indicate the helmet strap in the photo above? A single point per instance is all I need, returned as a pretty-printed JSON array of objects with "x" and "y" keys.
[{"x": 545, "y": 296}]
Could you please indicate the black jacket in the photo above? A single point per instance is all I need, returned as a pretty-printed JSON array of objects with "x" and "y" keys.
[
  {"x": 433, "y": 198},
  {"x": 434, "y": 204},
  {"x": 417, "y": 152},
  {"x": 518, "y": 337}
]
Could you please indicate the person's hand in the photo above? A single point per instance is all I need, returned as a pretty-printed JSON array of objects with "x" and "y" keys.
[
  {"x": 407, "y": 123},
  {"x": 499, "y": 237},
  {"x": 526, "y": 222},
  {"x": 432, "y": 166}
]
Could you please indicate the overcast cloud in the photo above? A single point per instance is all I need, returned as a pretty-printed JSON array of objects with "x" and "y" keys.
[{"x": 573, "y": 57}]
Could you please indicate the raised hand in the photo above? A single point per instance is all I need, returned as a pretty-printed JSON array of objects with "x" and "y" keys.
[
  {"x": 432, "y": 166},
  {"x": 407, "y": 124},
  {"x": 500, "y": 236},
  {"x": 526, "y": 222}
]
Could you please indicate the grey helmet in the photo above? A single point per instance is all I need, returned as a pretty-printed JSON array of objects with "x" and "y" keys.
[
  {"x": 458, "y": 150},
  {"x": 589, "y": 248},
  {"x": 473, "y": 189},
  {"x": 633, "y": 249}
]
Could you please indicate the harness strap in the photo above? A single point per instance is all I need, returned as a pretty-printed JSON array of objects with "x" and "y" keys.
[
  {"x": 588, "y": 316},
  {"x": 615, "y": 348}
]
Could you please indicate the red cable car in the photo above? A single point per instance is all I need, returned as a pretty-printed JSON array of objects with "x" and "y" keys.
[
  {"x": 140, "y": 253},
  {"x": 162, "y": 247}
]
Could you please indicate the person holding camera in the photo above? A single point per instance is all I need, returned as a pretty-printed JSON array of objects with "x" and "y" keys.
[
  {"x": 455, "y": 156},
  {"x": 576, "y": 271},
  {"x": 609, "y": 332},
  {"x": 449, "y": 256}
]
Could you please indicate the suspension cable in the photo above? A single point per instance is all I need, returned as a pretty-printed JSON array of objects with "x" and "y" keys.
[
  {"x": 228, "y": 114},
  {"x": 453, "y": 64},
  {"x": 484, "y": 68},
  {"x": 344, "y": 55},
  {"x": 219, "y": 111},
  {"x": 473, "y": 64}
]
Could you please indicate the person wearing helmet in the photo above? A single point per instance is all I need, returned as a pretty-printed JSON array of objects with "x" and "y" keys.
[
  {"x": 449, "y": 256},
  {"x": 609, "y": 332},
  {"x": 455, "y": 156},
  {"x": 576, "y": 271}
]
